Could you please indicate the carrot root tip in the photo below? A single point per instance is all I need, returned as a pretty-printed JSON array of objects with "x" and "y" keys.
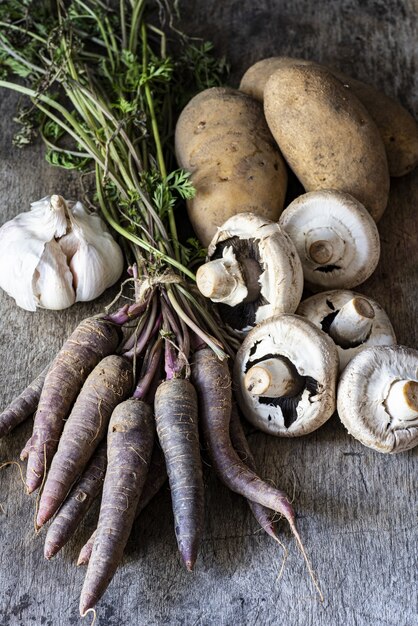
[
  {"x": 40, "y": 521},
  {"x": 83, "y": 613},
  {"x": 49, "y": 552}
]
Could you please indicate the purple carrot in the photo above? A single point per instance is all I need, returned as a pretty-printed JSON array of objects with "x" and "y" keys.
[
  {"x": 177, "y": 429},
  {"x": 106, "y": 386},
  {"x": 263, "y": 516},
  {"x": 157, "y": 476},
  {"x": 129, "y": 442},
  {"x": 213, "y": 384},
  {"x": 23, "y": 406},
  {"x": 92, "y": 340},
  {"x": 77, "y": 503}
]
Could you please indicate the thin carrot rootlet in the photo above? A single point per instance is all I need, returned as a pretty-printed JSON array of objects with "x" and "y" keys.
[{"x": 119, "y": 94}]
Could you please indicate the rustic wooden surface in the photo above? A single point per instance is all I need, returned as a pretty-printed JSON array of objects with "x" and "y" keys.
[{"x": 357, "y": 508}]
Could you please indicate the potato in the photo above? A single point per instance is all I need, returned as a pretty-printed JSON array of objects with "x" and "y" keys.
[
  {"x": 396, "y": 125},
  {"x": 222, "y": 138},
  {"x": 326, "y": 135},
  {"x": 255, "y": 78}
]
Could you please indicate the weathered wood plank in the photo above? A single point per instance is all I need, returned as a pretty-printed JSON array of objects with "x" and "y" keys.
[{"x": 357, "y": 508}]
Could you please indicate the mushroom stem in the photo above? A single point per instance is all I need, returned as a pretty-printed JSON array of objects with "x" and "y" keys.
[
  {"x": 353, "y": 322},
  {"x": 324, "y": 246},
  {"x": 229, "y": 281},
  {"x": 215, "y": 280},
  {"x": 402, "y": 403},
  {"x": 222, "y": 280},
  {"x": 321, "y": 252},
  {"x": 272, "y": 378}
]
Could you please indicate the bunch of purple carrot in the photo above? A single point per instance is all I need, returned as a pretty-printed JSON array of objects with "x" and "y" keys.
[{"x": 94, "y": 431}]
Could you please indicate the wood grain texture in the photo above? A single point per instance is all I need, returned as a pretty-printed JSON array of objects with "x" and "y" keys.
[{"x": 357, "y": 508}]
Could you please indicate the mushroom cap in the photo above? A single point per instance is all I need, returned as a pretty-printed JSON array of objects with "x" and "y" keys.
[
  {"x": 281, "y": 278},
  {"x": 363, "y": 389},
  {"x": 343, "y": 218},
  {"x": 314, "y": 356},
  {"x": 322, "y": 307}
]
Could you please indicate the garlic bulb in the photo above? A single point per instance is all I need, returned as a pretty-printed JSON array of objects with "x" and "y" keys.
[{"x": 57, "y": 254}]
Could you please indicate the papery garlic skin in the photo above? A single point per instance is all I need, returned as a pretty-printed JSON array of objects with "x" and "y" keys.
[{"x": 57, "y": 254}]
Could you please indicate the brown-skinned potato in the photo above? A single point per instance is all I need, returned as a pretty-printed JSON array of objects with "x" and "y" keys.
[
  {"x": 326, "y": 135},
  {"x": 222, "y": 138},
  {"x": 396, "y": 125}
]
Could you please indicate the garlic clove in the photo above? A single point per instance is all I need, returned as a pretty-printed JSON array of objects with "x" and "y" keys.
[
  {"x": 92, "y": 272},
  {"x": 52, "y": 280},
  {"x": 69, "y": 245},
  {"x": 98, "y": 261}
]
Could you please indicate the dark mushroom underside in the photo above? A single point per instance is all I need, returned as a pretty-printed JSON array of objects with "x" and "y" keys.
[
  {"x": 327, "y": 269},
  {"x": 287, "y": 404},
  {"x": 244, "y": 314}
]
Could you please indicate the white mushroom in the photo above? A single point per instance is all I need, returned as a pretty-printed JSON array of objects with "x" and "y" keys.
[
  {"x": 285, "y": 375},
  {"x": 336, "y": 239},
  {"x": 378, "y": 398},
  {"x": 253, "y": 271},
  {"x": 352, "y": 320}
]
